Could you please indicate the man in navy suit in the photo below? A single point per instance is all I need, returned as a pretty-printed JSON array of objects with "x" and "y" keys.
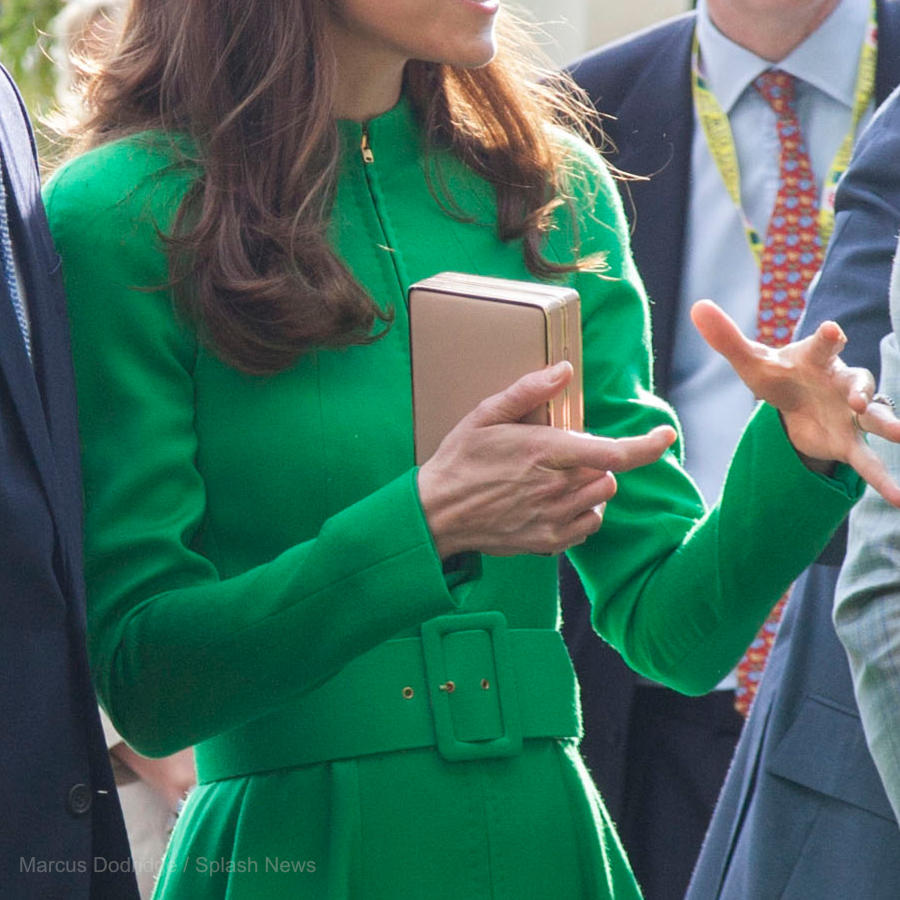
[
  {"x": 61, "y": 832},
  {"x": 659, "y": 759},
  {"x": 803, "y": 812}
]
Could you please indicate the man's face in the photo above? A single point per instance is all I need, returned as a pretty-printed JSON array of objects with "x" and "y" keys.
[
  {"x": 770, "y": 28},
  {"x": 802, "y": 9}
]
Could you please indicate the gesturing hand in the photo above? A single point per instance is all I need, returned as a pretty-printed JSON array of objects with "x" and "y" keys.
[
  {"x": 501, "y": 487},
  {"x": 825, "y": 405}
]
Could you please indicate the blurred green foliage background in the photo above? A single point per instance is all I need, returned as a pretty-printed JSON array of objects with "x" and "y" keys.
[{"x": 24, "y": 50}]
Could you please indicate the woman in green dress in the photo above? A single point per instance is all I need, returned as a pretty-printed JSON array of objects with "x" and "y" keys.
[{"x": 364, "y": 653}]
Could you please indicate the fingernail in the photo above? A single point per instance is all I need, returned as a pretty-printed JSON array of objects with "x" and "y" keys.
[{"x": 555, "y": 372}]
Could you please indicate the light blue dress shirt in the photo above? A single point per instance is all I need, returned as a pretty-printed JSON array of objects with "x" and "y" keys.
[
  {"x": 712, "y": 403},
  {"x": 867, "y": 598}
]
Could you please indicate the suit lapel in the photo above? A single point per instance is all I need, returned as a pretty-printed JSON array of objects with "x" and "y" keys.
[
  {"x": 44, "y": 387},
  {"x": 23, "y": 389},
  {"x": 887, "y": 76},
  {"x": 887, "y": 72},
  {"x": 52, "y": 362}
]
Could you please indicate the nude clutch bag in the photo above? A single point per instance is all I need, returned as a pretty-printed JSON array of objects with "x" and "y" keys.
[{"x": 472, "y": 336}]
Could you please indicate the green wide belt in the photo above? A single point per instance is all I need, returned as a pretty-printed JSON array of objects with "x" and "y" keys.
[{"x": 469, "y": 686}]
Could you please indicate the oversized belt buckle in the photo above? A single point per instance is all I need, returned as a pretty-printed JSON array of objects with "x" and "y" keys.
[{"x": 472, "y": 686}]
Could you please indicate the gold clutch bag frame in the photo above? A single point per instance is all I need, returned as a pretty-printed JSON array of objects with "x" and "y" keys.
[{"x": 472, "y": 336}]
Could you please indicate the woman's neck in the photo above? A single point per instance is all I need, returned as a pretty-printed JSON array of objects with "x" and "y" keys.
[
  {"x": 363, "y": 98},
  {"x": 368, "y": 81}
]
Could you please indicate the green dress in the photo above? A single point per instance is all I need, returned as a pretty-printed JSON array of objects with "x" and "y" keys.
[{"x": 260, "y": 571}]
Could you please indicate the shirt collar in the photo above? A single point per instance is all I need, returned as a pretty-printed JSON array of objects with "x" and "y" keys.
[{"x": 821, "y": 60}]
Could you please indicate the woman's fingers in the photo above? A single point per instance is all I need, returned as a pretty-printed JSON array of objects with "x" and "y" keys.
[
  {"x": 522, "y": 396},
  {"x": 589, "y": 497},
  {"x": 512, "y": 488},
  {"x": 773, "y": 375},
  {"x": 576, "y": 516},
  {"x": 826, "y": 343},
  {"x": 721, "y": 332},
  {"x": 570, "y": 449},
  {"x": 861, "y": 389},
  {"x": 879, "y": 418},
  {"x": 824, "y": 404},
  {"x": 567, "y": 449},
  {"x": 585, "y": 525},
  {"x": 503, "y": 487},
  {"x": 873, "y": 471}
]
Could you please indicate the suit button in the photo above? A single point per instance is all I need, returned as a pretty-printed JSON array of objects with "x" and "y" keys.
[{"x": 79, "y": 799}]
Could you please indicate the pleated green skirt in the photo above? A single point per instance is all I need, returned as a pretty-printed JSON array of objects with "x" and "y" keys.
[{"x": 401, "y": 825}]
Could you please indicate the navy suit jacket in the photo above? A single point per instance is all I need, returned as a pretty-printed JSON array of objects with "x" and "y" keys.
[
  {"x": 61, "y": 832},
  {"x": 802, "y": 813}
]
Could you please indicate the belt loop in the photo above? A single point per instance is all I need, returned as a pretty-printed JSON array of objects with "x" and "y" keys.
[{"x": 441, "y": 674}]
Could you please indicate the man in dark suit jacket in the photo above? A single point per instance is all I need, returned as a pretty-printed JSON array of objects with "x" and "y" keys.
[
  {"x": 644, "y": 82},
  {"x": 61, "y": 833},
  {"x": 803, "y": 812}
]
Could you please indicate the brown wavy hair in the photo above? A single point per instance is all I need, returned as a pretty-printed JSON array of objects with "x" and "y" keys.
[{"x": 253, "y": 84}]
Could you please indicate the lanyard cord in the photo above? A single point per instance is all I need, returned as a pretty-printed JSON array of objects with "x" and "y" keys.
[{"x": 720, "y": 140}]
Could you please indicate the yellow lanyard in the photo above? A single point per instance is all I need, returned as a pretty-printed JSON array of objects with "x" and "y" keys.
[{"x": 720, "y": 140}]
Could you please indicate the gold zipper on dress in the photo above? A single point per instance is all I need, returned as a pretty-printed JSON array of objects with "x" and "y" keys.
[{"x": 364, "y": 148}]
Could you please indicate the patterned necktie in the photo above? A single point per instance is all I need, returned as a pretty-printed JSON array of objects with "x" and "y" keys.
[
  {"x": 790, "y": 258},
  {"x": 793, "y": 249},
  {"x": 7, "y": 260}
]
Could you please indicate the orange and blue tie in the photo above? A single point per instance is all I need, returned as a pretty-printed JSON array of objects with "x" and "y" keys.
[{"x": 791, "y": 256}]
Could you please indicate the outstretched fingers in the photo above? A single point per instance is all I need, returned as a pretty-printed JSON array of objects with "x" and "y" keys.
[
  {"x": 879, "y": 418},
  {"x": 873, "y": 471},
  {"x": 861, "y": 389},
  {"x": 826, "y": 343},
  {"x": 721, "y": 332}
]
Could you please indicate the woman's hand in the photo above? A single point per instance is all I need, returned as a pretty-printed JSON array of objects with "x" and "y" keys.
[
  {"x": 825, "y": 405},
  {"x": 171, "y": 776},
  {"x": 501, "y": 487}
]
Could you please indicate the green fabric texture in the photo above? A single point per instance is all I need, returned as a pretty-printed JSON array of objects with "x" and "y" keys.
[{"x": 247, "y": 538}]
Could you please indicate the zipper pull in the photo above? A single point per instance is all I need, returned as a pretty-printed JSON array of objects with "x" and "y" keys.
[{"x": 364, "y": 148}]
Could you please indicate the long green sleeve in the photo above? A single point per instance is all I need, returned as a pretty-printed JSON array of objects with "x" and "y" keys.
[
  {"x": 678, "y": 590},
  {"x": 183, "y": 648}
]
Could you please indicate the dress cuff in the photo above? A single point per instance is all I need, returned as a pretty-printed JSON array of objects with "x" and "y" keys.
[{"x": 843, "y": 479}]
